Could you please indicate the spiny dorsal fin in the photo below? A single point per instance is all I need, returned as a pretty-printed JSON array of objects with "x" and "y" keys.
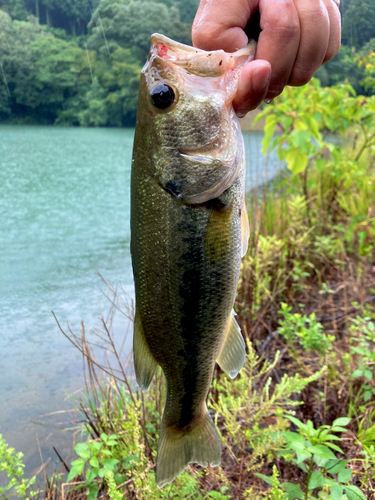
[
  {"x": 144, "y": 363},
  {"x": 233, "y": 353}
]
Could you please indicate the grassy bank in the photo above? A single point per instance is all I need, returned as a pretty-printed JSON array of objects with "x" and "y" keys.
[{"x": 299, "y": 420}]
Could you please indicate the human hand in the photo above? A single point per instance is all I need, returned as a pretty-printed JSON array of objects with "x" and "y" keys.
[{"x": 297, "y": 37}]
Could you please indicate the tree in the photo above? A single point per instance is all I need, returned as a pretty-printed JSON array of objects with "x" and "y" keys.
[
  {"x": 15, "y": 8},
  {"x": 130, "y": 24},
  {"x": 342, "y": 68},
  {"x": 16, "y": 39},
  {"x": 358, "y": 24}
]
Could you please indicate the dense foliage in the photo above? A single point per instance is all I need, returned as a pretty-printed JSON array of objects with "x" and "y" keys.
[
  {"x": 49, "y": 75},
  {"x": 77, "y": 62}
]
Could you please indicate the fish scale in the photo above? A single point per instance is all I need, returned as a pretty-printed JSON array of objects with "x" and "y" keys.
[{"x": 189, "y": 229}]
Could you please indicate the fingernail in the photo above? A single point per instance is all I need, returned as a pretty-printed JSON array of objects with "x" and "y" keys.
[
  {"x": 268, "y": 101},
  {"x": 261, "y": 78}
]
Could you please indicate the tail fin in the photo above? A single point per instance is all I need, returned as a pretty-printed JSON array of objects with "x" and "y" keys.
[{"x": 177, "y": 449}]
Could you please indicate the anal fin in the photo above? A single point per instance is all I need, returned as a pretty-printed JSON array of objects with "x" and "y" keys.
[
  {"x": 145, "y": 364},
  {"x": 245, "y": 229},
  {"x": 233, "y": 354}
]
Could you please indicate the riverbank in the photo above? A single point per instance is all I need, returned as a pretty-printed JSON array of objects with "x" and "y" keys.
[{"x": 299, "y": 420}]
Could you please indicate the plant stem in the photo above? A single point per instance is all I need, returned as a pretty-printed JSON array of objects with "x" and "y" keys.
[{"x": 311, "y": 464}]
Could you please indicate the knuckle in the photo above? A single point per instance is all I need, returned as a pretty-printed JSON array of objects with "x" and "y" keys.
[
  {"x": 286, "y": 32},
  {"x": 333, "y": 48},
  {"x": 274, "y": 91},
  {"x": 315, "y": 11},
  {"x": 300, "y": 76},
  {"x": 284, "y": 22},
  {"x": 204, "y": 35}
]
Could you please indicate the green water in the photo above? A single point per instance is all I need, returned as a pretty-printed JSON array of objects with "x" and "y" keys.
[{"x": 64, "y": 213}]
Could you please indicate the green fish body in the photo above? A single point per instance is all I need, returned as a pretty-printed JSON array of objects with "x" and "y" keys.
[{"x": 189, "y": 229}]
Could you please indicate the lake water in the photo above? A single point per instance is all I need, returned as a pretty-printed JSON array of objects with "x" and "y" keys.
[{"x": 64, "y": 213}]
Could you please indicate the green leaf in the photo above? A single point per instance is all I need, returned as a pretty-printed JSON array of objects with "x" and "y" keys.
[
  {"x": 293, "y": 491},
  {"x": 119, "y": 478},
  {"x": 367, "y": 396},
  {"x": 267, "y": 479},
  {"x": 129, "y": 461},
  {"x": 338, "y": 429},
  {"x": 82, "y": 450},
  {"x": 269, "y": 130},
  {"x": 336, "y": 491},
  {"x": 294, "y": 436},
  {"x": 296, "y": 422},
  {"x": 342, "y": 421},
  {"x": 316, "y": 480},
  {"x": 93, "y": 491},
  {"x": 96, "y": 445},
  {"x": 110, "y": 464},
  {"x": 357, "y": 373},
  {"x": 91, "y": 475},
  {"x": 301, "y": 139},
  {"x": 94, "y": 462},
  {"x": 368, "y": 374},
  {"x": 335, "y": 447},
  {"x": 320, "y": 164},
  {"x": 345, "y": 475},
  {"x": 330, "y": 437},
  {"x": 76, "y": 470},
  {"x": 302, "y": 454},
  {"x": 322, "y": 451},
  {"x": 296, "y": 161},
  {"x": 102, "y": 472},
  {"x": 354, "y": 493},
  {"x": 335, "y": 466}
]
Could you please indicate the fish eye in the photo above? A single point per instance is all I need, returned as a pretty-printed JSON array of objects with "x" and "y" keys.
[{"x": 163, "y": 96}]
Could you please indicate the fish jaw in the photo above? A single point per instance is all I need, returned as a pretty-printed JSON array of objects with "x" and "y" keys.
[{"x": 197, "y": 144}]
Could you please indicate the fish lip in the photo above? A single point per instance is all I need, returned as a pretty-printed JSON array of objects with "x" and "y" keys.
[
  {"x": 157, "y": 38},
  {"x": 214, "y": 63}
]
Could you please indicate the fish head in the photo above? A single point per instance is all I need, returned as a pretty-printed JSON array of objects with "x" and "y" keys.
[{"x": 185, "y": 103}]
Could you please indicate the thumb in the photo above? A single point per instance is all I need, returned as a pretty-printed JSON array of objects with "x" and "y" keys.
[{"x": 252, "y": 87}]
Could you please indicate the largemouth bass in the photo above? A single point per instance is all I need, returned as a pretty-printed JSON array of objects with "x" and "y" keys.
[{"x": 189, "y": 229}]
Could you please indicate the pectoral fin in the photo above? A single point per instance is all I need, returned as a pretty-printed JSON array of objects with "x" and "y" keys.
[
  {"x": 245, "y": 229},
  {"x": 145, "y": 364},
  {"x": 233, "y": 353}
]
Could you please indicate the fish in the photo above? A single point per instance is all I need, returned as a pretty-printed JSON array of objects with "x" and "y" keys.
[{"x": 189, "y": 230}]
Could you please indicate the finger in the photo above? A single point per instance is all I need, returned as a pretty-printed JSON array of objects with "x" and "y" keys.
[
  {"x": 252, "y": 87},
  {"x": 335, "y": 28},
  {"x": 220, "y": 24},
  {"x": 315, "y": 29},
  {"x": 278, "y": 42}
]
